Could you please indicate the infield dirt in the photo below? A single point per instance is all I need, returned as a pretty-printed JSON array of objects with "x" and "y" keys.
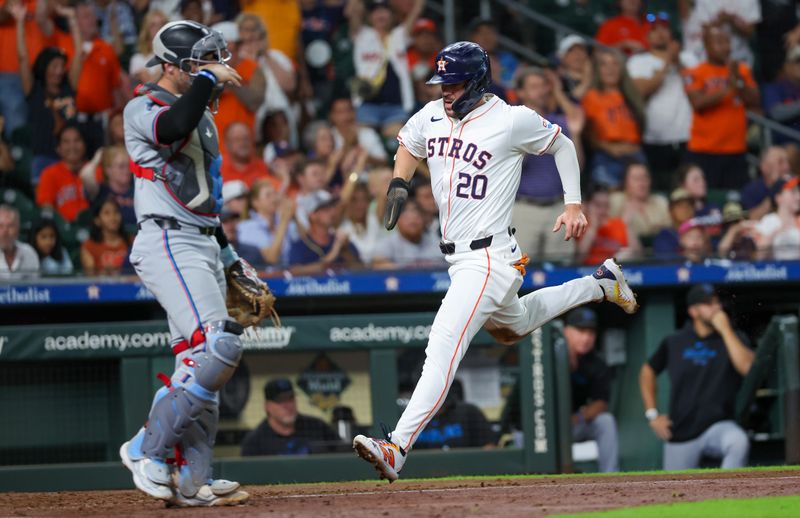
[{"x": 500, "y": 497}]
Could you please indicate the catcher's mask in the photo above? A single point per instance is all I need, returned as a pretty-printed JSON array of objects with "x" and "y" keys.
[{"x": 183, "y": 43}]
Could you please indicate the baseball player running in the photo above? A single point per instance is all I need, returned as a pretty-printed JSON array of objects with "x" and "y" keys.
[
  {"x": 474, "y": 144},
  {"x": 183, "y": 258}
]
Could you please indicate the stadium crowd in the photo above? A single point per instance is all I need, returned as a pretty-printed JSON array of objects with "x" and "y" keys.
[{"x": 656, "y": 105}]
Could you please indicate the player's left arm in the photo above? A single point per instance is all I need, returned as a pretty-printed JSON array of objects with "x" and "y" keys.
[{"x": 563, "y": 151}]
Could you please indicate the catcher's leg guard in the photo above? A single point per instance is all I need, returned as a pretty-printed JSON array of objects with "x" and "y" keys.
[
  {"x": 195, "y": 384},
  {"x": 197, "y": 450}
]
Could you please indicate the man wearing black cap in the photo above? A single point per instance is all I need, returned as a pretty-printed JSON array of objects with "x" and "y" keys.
[
  {"x": 706, "y": 361},
  {"x": 590, "y": 382},
  {"x": 285, "y": 431}
]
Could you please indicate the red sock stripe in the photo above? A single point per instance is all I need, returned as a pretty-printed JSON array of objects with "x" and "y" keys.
[{"x": 452, "y": 358}]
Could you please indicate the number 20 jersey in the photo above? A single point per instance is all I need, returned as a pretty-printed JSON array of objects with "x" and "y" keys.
[{"x": 476, "y": 163}]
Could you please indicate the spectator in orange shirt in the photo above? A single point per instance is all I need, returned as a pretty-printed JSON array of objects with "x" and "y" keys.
[
  {"x": 283, "y": 20},
  {"x": 240, "y": 162},
  {"x": 625, "y": 32},
  {"x": 12, "y": 99},
  {"x": 425, "y": 44},
  {"x": 100, "y": 84},
  {"x": 720, "y": 90},
  {"x": 605, "y": 236},
  {"x": 239, "y": 103},
  {"x": 615, "y": 113},
  {"x": 60, "y": 187},
  {"x": 108, "y": 245}
]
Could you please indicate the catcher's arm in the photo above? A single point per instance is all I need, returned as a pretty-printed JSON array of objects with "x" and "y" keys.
[{"x": 404, "y": 166}]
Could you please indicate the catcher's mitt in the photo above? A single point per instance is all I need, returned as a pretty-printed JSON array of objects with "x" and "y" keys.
[{"x": 249, "y": 299}]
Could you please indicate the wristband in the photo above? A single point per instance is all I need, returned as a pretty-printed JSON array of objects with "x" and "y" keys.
[
  {"x": 228, "y": 256},
  {"x": 651, "y": 413},
  {"x": 209, "y": 75}
]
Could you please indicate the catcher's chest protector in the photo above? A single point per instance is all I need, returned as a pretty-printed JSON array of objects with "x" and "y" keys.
[{"x": 191, "y": 167}]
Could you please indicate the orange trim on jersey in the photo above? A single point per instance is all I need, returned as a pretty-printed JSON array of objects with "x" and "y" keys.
[
  {"x": 452, "y": 168},
  {"x": 551, "y": 141},
  {"x": 452, "y": 358}
]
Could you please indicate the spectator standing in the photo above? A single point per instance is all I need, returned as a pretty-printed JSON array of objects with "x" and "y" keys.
[
  {"x": 240, "y": 161},
  {"x": 668, "y": 114},
  {"x": 782, "y": 96},
  {"x": 322, "y": 246},
  {"x": 605, "y": 236},
  {"x": 644, "y": 212},
  {"x": 267, "y": 227},
  {"x": 12, "y": 97},
  {"x": 107, "y": 248},
  {"x": 117, "y": 180},
  {"x": 384, "y": 94},
  {"x": 53, "y": 257},
  {"x": 138, "y": 69},
  {"x": 411, "y": 246},
  {"x": 625, "y": 32},
  {"x": 575, "y": 66},
  {"x": 590, "y": 381},
  {"x": 666, "y": 244},
  {"x": 285, "y": 431},
  {"x": 348, "y": 134},
  {"x": 705, "y": 362},
  {"x": 278, "y": 69},
  {"x": 720, "y": 91},
  {"x": 49, "y": 87},
  {"x": 737, "y": 18},
  {"x": 239, "y": 103},
  {"x": 17, "y": 259},
  {"x": 282, "y": 18},
  {"x": 100, "y": 83},
  {"x": 615, "y": 115},
  {"x": 117, "y": 25},
  {"x": 320, "y": 20},
  {"x": 778, "y": 233},
  {"x": 756, "y": 195},
  {"x": 60, "y": 187},
  {"x": 540, "y": 198},
  {"x": 425, "y": 44}
]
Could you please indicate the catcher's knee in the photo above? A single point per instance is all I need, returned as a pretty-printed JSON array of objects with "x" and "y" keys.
[{"x": 215, "y": 362}]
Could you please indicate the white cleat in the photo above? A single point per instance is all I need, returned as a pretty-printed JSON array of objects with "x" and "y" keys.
[
  {"x": 387, "y": 457},
  {"x": 149, "y": 476},
  {"x": 207, "y": 497},
  {"x": 615, "y": 288}
]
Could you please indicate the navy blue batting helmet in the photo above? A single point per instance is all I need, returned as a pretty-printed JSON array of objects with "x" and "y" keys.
[{"x": 463, "y": 62}]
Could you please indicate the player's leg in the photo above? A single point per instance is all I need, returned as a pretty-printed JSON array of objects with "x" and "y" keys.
[
  {"x": 521, "y": 316},
  {"x": 727, "y": 441},
  {"x": 180, "y": 269},
  {"x": 474, "y": 293},
  {"x": 682, "y": 455},
  {"x": 603, "y": 429}
]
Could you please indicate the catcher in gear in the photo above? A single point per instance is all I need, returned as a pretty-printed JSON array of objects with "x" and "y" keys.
[{"x": 183, "y": 258}]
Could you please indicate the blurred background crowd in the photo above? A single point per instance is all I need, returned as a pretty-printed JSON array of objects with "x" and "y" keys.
[{"x": 656, "y": 102}]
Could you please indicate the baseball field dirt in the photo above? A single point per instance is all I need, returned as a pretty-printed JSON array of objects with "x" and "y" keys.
[{"x": 497, "y": 496}]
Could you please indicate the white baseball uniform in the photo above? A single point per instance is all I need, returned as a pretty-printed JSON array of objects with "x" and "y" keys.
[{"x": 475, "y": 167}]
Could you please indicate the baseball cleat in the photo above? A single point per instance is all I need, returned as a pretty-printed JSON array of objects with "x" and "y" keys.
[
  {"x": 387, "y": 457},
  {"x": 150, "y": 476},
  {"x": 207, "y": 497},
  {"x": 615, "y": 288}
]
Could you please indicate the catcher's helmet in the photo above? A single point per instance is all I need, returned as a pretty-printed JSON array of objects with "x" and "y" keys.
[
  {"x": 182, "y": 42},
  {"x": 461, "y": 62}
]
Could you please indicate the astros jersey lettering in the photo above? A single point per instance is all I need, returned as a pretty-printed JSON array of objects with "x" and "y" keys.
[{"x": 475, "y": 163}]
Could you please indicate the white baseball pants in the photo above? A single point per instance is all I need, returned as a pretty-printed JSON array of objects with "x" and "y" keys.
[{"x": 483, "y": 287}]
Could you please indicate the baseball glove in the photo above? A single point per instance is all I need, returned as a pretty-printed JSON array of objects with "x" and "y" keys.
[{"x": 249, "y": 299}]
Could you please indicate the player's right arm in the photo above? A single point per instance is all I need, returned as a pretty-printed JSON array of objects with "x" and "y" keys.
[{"x": 180, "y": 119}]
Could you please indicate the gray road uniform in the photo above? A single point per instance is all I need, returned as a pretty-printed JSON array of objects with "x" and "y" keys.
[{"x": 177, "y": 256}]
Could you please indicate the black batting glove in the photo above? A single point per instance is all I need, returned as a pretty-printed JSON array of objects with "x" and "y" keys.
[{"x": 395, "y": 198}]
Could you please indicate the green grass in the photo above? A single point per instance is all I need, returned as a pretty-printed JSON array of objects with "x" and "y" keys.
[
  {"x": 765, "y": 507},
  {"x": 623, "y": 474}
]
